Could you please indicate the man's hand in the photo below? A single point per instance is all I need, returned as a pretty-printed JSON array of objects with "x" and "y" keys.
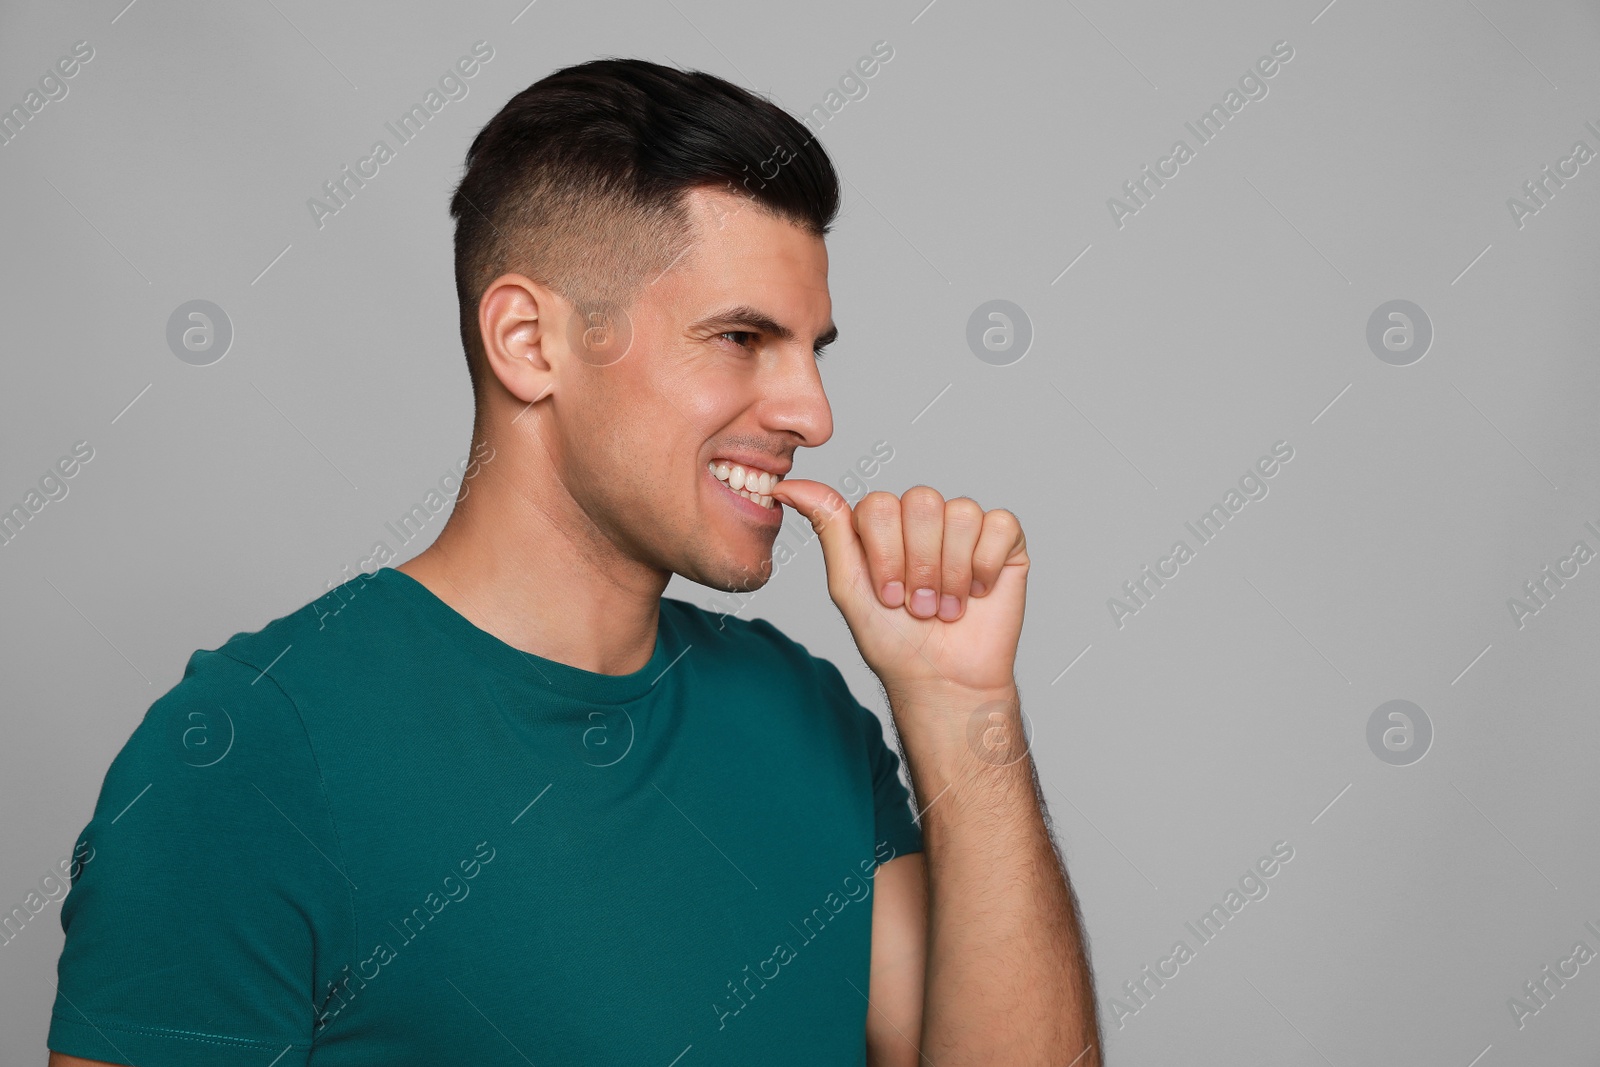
[{"x": 932, "y": 589}]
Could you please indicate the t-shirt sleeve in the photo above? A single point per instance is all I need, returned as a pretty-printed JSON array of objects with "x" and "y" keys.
[
  {"x": 895, "y": 822},
  {"x": 210, "y": 901}
]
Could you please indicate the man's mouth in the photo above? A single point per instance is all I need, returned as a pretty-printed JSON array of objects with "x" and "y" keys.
[{"x": 752, "y": 483}]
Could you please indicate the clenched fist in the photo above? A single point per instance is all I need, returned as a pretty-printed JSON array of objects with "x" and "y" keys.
[{"x": 932, "y": 589}]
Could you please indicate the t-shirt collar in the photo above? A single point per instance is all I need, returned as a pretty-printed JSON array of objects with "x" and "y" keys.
[{"x": 571, "y": 681}]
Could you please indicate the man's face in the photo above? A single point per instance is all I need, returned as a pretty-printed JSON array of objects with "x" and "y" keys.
[{"x": 701, "y": 384}]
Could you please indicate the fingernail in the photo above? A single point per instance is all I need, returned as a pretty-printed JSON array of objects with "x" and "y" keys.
[
  {"x": 924, "y": 603},
  {"x": 978, "y": 588},
  {"x": 894, "y": 594},
  {"x": 949, "y": 608}
]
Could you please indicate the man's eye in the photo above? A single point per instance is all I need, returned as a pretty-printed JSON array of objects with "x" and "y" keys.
[{"x": 737, "y": 334}]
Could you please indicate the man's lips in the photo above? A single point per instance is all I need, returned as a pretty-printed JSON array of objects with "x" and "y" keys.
[{"x": 755, "y": 461}]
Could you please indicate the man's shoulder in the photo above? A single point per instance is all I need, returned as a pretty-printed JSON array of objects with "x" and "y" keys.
[
  {"x": 753, "y": 632},
  {"x": 255, "y": 688},
  {"x": 755, "y": 635},
  {"x": 326, "y": 625},
  {"x": 256, "y": 681}
]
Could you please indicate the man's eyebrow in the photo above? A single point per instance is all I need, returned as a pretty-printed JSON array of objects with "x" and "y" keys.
[{"x": 757, "y": 320}]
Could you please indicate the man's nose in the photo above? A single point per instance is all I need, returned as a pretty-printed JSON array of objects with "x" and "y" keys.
[{"x": 793, "y": 400}]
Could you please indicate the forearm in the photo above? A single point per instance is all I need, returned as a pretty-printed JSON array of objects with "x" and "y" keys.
[{"x": 1008, "y": 979}]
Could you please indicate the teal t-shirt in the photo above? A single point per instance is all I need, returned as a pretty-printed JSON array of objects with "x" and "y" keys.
[{"x": 373, "y": 833}]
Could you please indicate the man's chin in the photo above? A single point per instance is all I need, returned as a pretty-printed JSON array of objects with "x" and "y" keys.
[
  {"x": 736, "y": 576},
  {"x": 746, "y": 583}
]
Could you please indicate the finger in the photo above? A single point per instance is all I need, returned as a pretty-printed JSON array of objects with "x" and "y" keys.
[
  {"x": 829, "y": 515},
  {"x": 1002, "y": 533},
  {"x": 963, "y": 522},
  {"x": 878, "y": 527},
  {"x": 922, "y": 516}
]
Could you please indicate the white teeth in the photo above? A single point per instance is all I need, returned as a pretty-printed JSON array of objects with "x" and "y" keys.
[{"x": 749, "y": 482}]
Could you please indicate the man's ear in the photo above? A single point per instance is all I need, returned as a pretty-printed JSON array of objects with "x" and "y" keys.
[{"x": 524, "y": 343}]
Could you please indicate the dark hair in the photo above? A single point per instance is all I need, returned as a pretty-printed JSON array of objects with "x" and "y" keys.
[{"x": 578, "y": 182}]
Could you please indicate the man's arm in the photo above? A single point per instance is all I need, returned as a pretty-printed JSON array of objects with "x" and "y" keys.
[
  {"x": 1008, "y": 977},
  {"x": 899, "y": 961},
  {"x": 933, "y": 592},
  {"x": 58, "y": 1060},
  {"x": 998, "y": 967}
]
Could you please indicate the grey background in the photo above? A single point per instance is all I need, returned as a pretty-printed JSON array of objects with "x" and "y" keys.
[{"x": 1230, "y": 313}]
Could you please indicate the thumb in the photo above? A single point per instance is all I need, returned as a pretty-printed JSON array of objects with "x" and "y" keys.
[{"x": 833, "y": 520}]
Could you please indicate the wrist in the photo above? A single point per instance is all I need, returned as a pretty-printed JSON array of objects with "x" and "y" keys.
[
  {"x": 944, "y": 697},
  {"x": 955, "y": 730}
]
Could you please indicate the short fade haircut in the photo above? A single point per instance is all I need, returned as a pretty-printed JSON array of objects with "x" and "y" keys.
[{"x": 578, "y": 183}]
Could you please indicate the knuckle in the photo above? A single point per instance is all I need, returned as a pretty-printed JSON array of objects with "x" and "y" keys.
[
  {"x": 1004, "y": 520},
  {"x": 923, "y": 499},
  {"x": 963, "y": 512},
  {"x": 884, "y": 560},
  {"x": 878, "y": 510},
  {"x": 877, "y": 500},
  {"x": 957, "y": 574}
]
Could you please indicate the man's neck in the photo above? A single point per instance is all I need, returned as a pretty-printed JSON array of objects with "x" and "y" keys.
[{"x": 539, "y": 591}]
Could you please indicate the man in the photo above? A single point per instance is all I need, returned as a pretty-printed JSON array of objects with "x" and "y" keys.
[{"x": 506, "y": 803}]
